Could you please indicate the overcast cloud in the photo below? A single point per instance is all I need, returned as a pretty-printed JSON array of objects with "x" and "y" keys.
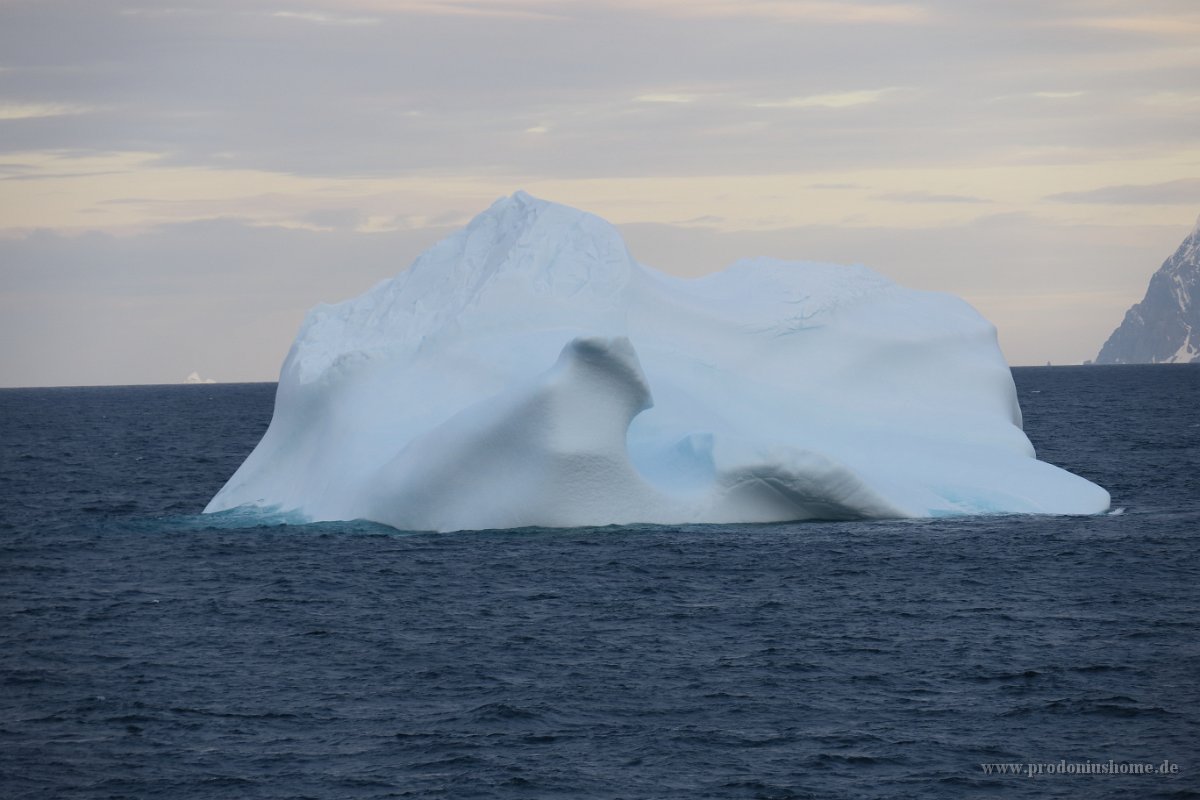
[{"x": 180, "y": 181}]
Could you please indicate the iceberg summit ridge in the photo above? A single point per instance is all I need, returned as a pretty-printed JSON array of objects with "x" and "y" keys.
[{"x": 527, "y": 371}]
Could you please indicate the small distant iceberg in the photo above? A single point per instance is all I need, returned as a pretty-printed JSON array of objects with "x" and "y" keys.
[
  {"x": 195, "y": 378},
  {"x": 527, "y": 371}
]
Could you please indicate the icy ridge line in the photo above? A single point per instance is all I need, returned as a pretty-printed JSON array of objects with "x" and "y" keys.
[
  {"x": 527, "y": 371},
  {"x": 1160, "y": 329}
]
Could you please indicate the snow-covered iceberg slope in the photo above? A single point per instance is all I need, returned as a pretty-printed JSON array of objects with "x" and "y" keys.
[{"x": 528, "y": 372}]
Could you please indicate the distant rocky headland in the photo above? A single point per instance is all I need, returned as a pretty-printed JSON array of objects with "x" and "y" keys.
[{"x": 1164, "y": 328}]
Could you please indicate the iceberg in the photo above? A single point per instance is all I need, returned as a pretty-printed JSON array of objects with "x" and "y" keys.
[{"x": 527, "y": 371}]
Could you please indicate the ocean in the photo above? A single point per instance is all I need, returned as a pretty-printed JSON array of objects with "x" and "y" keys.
[{"x": 149, "y": 651}]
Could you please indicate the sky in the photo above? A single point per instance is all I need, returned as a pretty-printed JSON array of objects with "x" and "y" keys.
[{"x": 181, "y": 180}]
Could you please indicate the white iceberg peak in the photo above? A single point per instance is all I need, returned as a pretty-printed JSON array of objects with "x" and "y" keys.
[{"x": 528, "y": 371}]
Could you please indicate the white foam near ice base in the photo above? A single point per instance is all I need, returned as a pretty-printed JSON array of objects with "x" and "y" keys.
[{"x": 528, "y": 372}]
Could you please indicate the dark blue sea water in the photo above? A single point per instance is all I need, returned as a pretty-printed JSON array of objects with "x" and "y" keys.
[{"x": 147, "y": 651}]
